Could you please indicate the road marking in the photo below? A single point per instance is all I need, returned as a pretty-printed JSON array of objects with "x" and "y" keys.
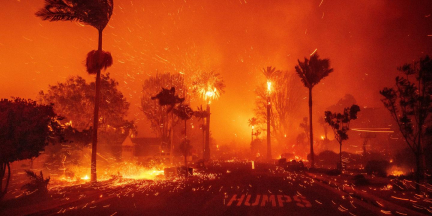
[{"x": 263, "y": 200}]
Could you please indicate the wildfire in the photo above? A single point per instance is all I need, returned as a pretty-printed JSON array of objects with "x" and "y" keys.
[
  {"x": 85, "y": 177},
  {"x": 396, "y": 171}
]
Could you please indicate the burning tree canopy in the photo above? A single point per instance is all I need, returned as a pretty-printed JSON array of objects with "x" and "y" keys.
[
  {"x": 208, "y": 85},
  {"x": 25, "y": 129},
  {"x": 285, "y": 98}
]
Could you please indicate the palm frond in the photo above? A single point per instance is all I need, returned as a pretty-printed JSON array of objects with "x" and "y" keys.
[
  {"x": 97, "y": 60},
  {"x": 313, "y": 70},
  {"x": 96, "y": 13}
]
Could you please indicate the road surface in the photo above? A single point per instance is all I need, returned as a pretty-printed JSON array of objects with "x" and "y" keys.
[{"x": 227, "y": 188}]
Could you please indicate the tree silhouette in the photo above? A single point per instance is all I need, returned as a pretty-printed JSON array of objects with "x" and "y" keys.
[
  {"x": 311, "y": 72},
  {"x": 269, "y": 73},
  {"x": 25, "y": 129},
  {"x": 252, "y": 123},
  {"x": 322, "y": 122},
  {"x": 96, "y": 13},
  {"x": 74, "y": 99},
  {"x": 184, "y": 112},
  {"x": 157, "y": 115},
  {"x": 209, "y": 86},
  {"x": 200, "y": 113},
  {"x": 340, "y": 122},
  {"x": 169, "y": 98},
  {"x": 285, "y": 97},
  {"x": 410, "y": 104}
]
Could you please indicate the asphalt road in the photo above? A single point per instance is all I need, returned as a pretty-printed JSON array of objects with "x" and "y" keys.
[{"x": 224, "y": 189}]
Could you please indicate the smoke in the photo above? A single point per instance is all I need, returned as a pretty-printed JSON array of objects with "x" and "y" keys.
[{"x": 364, "y": 40}]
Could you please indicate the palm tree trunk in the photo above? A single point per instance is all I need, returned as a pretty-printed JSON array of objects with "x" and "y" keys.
[
  {"x": 187, "y": 170},
  {"x": 252, "y": 136},
  {"x": 172, "y": 139},
  {"x": 340, "y": 156},
  {"x": 310, "y": 130},
  {"x": 207, "y": 138},
  {"x": 2, "y": 175},
  {"x": 186, "y": 164},
  {"x": 419, "y": 171},
  {"x": 96, "y": 117},
  {"x": 268, "y": 129},
  {"x": 203, "y": 140}
]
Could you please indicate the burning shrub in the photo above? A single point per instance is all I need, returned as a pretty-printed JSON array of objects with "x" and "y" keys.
[
  {"x": 377, "y": 167},
  {"x": 37, "y": 183}
]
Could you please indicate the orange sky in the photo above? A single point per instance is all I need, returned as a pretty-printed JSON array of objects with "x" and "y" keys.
[{"x": 365, "y": 41}]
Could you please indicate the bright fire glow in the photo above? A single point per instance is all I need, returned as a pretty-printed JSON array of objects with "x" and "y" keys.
[
  {"x": 269, "y": 86},
  {"x": 85, "y": 177},
  {"x": 209, "y": 94},
  {"x": 396, "y": 171},
  {"x": 322, "y": 137}
]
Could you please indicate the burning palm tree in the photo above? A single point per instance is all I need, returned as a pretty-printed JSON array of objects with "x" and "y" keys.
[
  {"x": 209, "y": 86},
  {"x": 96, "y": 13},
  {"x": 269, "y": 73}
]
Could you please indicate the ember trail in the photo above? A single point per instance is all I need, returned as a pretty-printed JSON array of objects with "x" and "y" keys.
[{"x": 235, "y": 107}]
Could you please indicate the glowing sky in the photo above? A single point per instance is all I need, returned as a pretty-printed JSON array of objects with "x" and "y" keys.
[{"x": 365, "y": 41}]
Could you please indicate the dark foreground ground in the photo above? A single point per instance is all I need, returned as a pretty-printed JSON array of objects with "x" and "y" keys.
[{"x": 224, "y": 188}]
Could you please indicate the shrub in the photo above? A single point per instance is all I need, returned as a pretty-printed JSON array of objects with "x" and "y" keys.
[{"x": 37, "y": 183}]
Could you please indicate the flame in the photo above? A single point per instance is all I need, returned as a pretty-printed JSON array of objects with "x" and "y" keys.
[
  {"x": 85, "y": 177},
  {"x": 396, "y": 171},
  {"x": 269, "y": 86}
]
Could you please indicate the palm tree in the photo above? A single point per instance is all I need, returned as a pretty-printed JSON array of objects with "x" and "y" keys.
[
  {"x": 269, "y": 73},
  {"x": 96, "y": 13},
  {"x": 311, "y": 72},
  {"x": 252, "y": 122},
  {"x": 209, "y": 86},
  {"x": 167, "y": 97},
  {"x": 184, "y": 112}
]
